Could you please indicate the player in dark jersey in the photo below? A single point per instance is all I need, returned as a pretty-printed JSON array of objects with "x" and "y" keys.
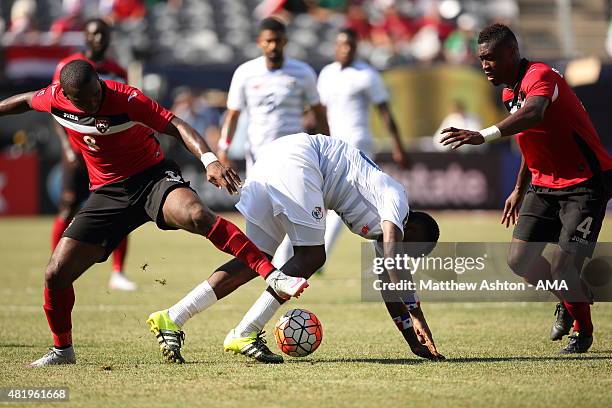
[
  {"x": 132, "y": 183},
  {"x": 74, "y": 175},
  {"x": 560, "y": 189}
]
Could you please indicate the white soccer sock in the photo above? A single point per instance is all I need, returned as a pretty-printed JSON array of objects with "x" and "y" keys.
[
  {"x": 283, "y": 253},
  {"x": 258, "y": 315},
  {"x": 200, "y": 298}
]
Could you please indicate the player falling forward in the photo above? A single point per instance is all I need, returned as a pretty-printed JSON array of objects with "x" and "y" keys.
[
  {"x": 295, "y": 181},
  {"x": 561, "y": 180},
  {"x": 74, "y": 174},
  {"x": 112, "y": 125}
]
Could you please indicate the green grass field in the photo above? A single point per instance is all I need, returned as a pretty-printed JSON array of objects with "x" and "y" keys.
[{"x": 498, "y": 353}]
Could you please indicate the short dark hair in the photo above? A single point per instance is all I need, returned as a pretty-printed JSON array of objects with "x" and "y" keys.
[
  {"x": 496, "y": 34},
  {"x": 428, "y": 224},
  {"x": 76, "y": 74},
  {"x": 99, "y": 21},
  {"x": 349, "y": 32},
  {"x": 272, "y": 24},
  {"x": 423, "y": 231}
]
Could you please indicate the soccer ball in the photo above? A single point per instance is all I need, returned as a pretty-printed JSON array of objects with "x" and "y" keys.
[{"x": 298, "y": 333}]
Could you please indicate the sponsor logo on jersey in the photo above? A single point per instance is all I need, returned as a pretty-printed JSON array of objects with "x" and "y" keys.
[
  {"x": 70, "y": 116},
  {"x": 317, "y": 213},
  {"x": 102, "y": 124}
]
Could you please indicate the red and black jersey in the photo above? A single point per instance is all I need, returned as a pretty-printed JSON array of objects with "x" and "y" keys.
[
  {"x": 564, "y": 149},
  {"x": 106, "y": 69},
  {"x": 117, "y": 141}
]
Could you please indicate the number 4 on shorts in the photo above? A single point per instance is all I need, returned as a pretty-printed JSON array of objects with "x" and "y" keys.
[{"x": 585, "y": 227}]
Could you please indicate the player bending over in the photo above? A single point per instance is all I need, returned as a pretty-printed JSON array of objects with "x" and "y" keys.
[
  {"x": 131, "y": 184},
  {"x": 561, "y": 182},
  {"x": 296, "y": 180}
]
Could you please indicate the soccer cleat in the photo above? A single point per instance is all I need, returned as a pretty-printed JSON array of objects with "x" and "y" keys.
[
  {"x": 578, "y": 343},
  {"x": 286, "y": 286},
  {"x": 119, "y": 281},
  {"x": 253, "y": 346},
  {"x": 563, "y": 324},
  {"x": 55, "y": 356},
  {"x": 169, "y": 336}
]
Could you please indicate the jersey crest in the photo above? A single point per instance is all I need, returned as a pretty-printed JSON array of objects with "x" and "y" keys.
[{"x": 102, "y": 124}]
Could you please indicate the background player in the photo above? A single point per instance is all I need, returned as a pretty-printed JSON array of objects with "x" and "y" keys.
[
  {"x": 290, "y": 188},
  {"x": 347, "y": 88},
  {"x": 273, "y": 91},
  {"x": 74, "y": 174},
  {"x": 561, "y": 180},
  {"x": 111, "y": 123}
]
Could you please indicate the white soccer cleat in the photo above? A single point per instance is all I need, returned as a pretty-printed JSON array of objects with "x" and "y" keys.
[
  {"x": 286, "y": 286},
  {"x": 55, "y": 357},
  {"x": 118, "y": 281}
]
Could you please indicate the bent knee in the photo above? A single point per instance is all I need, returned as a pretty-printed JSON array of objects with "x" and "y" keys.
[
  {"x": 514, "y": 261},
  {"x": 313, "y": 258},
  {"x": 53, "y": 274},
  {"x": 200, "y": 218}
]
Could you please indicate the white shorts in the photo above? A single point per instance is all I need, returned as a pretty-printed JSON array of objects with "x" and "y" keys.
[
  {"x": 281, "y": 199},
  {"x": 268, "y": 238}
]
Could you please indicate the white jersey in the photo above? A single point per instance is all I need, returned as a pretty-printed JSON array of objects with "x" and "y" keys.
[
  {"x": 347, "y": 93},
  {"x": 303, "y": 175},
  {"x": 274, "y": 100}
]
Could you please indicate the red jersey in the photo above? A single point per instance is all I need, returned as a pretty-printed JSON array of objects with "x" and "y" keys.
[
  {"x": 106, "y": 69},
  {"x": 564, "y": 149},
  {"x": 117, "y": 141}
]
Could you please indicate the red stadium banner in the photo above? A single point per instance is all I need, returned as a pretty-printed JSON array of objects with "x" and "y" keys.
[
  {"x": 33, "y": 61},
  {"x": 18, "y": 185}
]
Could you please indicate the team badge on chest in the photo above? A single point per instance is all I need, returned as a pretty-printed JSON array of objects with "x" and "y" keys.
[{"x": 102, "y": 125}]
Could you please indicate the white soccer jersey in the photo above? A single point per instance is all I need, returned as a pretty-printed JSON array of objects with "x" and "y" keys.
[
  {"x": 303, "y": 175},
  {"x": 347, "y": 93},
  {"x": 273, "y": 100}
]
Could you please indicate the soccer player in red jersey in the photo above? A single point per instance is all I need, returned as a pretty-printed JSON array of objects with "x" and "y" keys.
[
  {"x": 132, "y": 183},
  {"x": 560, "y": 189},
  {"x": 74, "y": 174}
]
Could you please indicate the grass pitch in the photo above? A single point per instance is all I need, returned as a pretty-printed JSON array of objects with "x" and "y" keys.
[{"x": 498, "y": 353}]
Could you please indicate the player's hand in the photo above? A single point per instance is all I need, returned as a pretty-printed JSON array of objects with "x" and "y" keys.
[
  {"x": 511, "y": 207},
  {"x": 223, "y": 177},
  {"x": 223, "y": 159},
  {"x": 425, "y": 346},
  {"x": 460, "y": 137}
]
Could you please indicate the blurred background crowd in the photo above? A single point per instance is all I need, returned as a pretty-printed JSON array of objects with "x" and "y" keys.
[{"x": 220, "y": 31}]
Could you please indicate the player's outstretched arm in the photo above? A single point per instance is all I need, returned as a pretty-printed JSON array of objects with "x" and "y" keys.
[
  {"x": 16, "y": 104},
  {"x": 399, "y": 154},
  {"x": 216, "y": 173},
  {"x": 531, "y": 114},
  {"x": 417, "y": 335}
]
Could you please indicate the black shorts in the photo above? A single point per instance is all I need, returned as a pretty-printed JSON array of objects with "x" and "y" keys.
[
  {"x": 570, "y": 216},
  {"x": 116, "y": 209}
]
